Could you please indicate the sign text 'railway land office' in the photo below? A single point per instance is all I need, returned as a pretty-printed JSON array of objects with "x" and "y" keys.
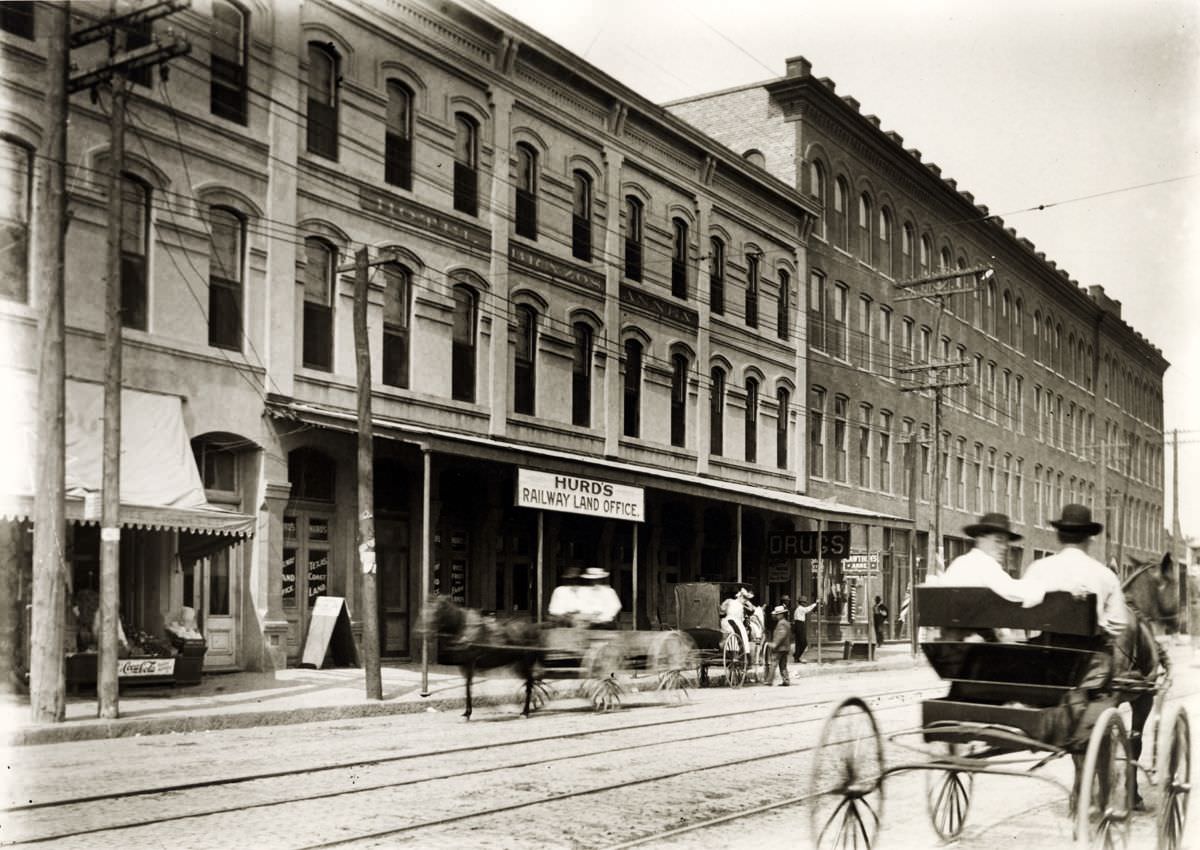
[{"x": 571, "y": 494}]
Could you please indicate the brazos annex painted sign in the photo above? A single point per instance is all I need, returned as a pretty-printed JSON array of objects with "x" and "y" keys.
[{"x": 571, "y": 494}]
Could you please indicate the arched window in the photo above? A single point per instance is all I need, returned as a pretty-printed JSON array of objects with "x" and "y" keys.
[
  {"x": 398, "y": 150},
  {"x": 466, "y": 321},
  {"x": 755, "y": 157},
  {"x": 226, "y": 254},
  {"x": 752, "y": 290},
  {"x": 679, "y": 246},
  {"x": 785, "y": 304},
  {"x": 633, "y": 388},
  {"x": 926, "y": 253},
  {"x": 716, "y": 412},
  {"x": 397, "y": 304},
  {"x": 633, "y": 238},
  {"x": 751, "y": 424},
  {"x": 227, "y": 61},
  {"x": 527, "y": 174},
  {"x": 581, "y": 376},
  {"x": 679, "y": 369},
  {"x": 885, "y": 240},
  {"x": 16, "y": 185},
  {"x": 907, "y": 248},
  {"x": 320, "y": 260},
  {"x": 716, "y": 276},
  {"x": 816, "y": 188},
  {"x": 1018, "y": 324},
  {"x": 466, "y": 164},
  {"x": 1006, "y": 318},
  {"x": 989, "y": 308},
  {"x": 865, "y": 222},
  {"x": 841, "y": 197},
  {"x": 322, "y": 101},
  {"x": 781, "y": 429},
  {"x": 135, "y": 243},
  {"x": 581, "y": 217},
  {"x": 525, "y": 361}
]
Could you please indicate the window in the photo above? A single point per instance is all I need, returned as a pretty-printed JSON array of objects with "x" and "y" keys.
[
  {"x": 228, "y": 235},
  {"x": 581, "y": 217},
  {"x": 398, "y": 146},
  {"x": 862, "y": 345},
  {"x": 785, "y": 304},
  {"x": 816, "y": 188},
  {"x": 883, "y": 359},
  {"x": 320, "y": 262},
  {"x": 839, "y": 437},
  {"x": 816, "y": 432},
  {"x": 466, "y": 321},
  {"x": 979, "y": 389},
  {"x": 1018, "y": 329},
  {"x": 926, "y": 465},
  {"x": 1019, "y": 491},
  {"x": 781, "y": 429},
  {"x": 1018, "y": 405},
  {"x": 397, "y": 304},
  {"x": 322, "y": 101},
  {"x": 466, "y": 164},
  {"x": 633, "y": 238},
  {"x": 960, "y": 477},
  {"x": 907, "y": 340},
  {"x": 752, "y": 290},
  {"x": 16, "y": 176},
  {"x": 217, "y": 465},
  {"x": 837, "y": 323},
  {"x": 633, "y": 387},
  {"x": 679, "y": 400},
  {"x": 990, "y": 492},
  {"x": 864, "y": 445},
  {"x": 926, "y": 351},
  {"x": 581, "y": 376},
  {"x": 679, "y": 276},
  {"x": 716, "y": 276},
  {"x": 977, "y": 480},
  {"x": 865, "y": 221},
  {"x": 1005, "y": 329},
  {"x": 526, "y": 191},
  {"x": 525, "y": 361},
  {"x": 311, "y": 474},
  {"x": 135, "y": 237},
  {"x": 1006, "y": 495},
  {"x": 716, "y": 411},
  {"x": 137, "y": 36},
  {"x": 841, "y": 193},
  {"x": 751, "y": 420},
  {"x": 885, "y": 240},
  {"x": 885, "y": 452},
  {"x": 227, "y": 62},
  {"x": 926, "y": 253},
  {"x": 16, "y": 18},
  {"x": 755, "y": 157},
  {"x": 817, "y": 330},
  {"x": 991, "y": 392},
  {"x": 906, "y": 249}
]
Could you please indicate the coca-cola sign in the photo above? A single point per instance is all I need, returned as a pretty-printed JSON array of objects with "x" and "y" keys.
[{"x": 135, "y": 667}]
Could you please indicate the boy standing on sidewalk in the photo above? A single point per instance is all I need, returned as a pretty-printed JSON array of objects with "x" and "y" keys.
[{"x": 781, "y": 640}]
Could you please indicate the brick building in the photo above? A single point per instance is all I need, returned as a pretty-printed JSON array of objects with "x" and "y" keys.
[{"x": 1064, "y": 402}]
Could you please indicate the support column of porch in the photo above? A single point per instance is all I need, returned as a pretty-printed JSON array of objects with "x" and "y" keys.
[{"x": 267, "y": 579}]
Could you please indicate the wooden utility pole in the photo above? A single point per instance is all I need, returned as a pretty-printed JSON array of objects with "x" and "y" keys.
[
  {"x": 910, "y": 463},
  {"x": 366, "y": 481},
  {"x": 47, "y": 698}
]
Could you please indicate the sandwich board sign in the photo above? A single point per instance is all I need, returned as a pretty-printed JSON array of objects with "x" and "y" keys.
[{"x": 329, "y": 634}]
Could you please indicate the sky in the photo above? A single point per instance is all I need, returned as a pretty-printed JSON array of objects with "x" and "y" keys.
[{"x": 1068, "y": 104}]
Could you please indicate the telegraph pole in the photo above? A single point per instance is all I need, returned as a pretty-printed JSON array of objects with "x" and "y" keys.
[
  {"x": 910, "y": 463},
  {"x": 47, "y": 685}
]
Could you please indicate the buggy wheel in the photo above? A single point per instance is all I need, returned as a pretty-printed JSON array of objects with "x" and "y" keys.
[
  {"x": 948, "y": 797},
  {"x": 846, "y": 780},
  {"x": 733, "y": 659},
  {"x": 671, "y": 655},
  {"x": 1104, "y": 809},
  {"x": 1176, "y": 767}
]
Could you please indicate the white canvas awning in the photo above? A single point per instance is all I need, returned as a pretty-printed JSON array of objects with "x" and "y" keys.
[{"x": 160, "y": 484}]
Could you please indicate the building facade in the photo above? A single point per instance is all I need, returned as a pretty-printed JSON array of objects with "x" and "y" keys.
[
  {"x": 1062, "y": 399},
  {"x": 565, "y": 280}
]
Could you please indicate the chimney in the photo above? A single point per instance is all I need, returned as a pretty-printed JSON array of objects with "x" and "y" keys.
[{"x": 798, "y": 66}]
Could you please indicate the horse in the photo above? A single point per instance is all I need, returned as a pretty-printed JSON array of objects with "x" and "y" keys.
[{"x": 474, "y": 642}]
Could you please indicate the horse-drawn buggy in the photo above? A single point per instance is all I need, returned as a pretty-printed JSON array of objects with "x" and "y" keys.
[
  {"x": 698, "y": 612},
  {"x": 1012, "y": 709}
]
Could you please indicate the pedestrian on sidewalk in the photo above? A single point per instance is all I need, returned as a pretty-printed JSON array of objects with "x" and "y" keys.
[
  {"x": 880, "y": 614},
  {"x": 781, "y": 638},
  {"x": 800, "y": 628}
]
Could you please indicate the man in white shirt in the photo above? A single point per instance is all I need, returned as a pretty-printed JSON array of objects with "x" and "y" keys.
[
  {"x": 800, "y": 628},
  {"x": 983, "y": 566},
  {"x": 1074, "y": 570},
  {"x": 598, "y": 604}
]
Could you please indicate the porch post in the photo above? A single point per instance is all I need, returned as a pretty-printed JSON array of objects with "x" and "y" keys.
[
  {"x": 541, "y": 576},
  {"x": 635, "y": 575},
  {"x": 426, "y": 546}
]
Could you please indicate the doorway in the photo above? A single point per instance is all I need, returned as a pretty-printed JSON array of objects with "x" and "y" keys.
[
  {"x": 392, "y": 558},
  {"x": 307, "y": 539}
]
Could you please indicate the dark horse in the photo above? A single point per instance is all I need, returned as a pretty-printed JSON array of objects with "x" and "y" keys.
[
  {"x": 473, "y": 642},
  {"x": 1151, "y": 596}
]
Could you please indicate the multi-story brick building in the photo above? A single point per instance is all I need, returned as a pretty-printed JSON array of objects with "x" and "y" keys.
[
  {"x": 571, "y": 281},
  {"x": 1064, "y": 402}
]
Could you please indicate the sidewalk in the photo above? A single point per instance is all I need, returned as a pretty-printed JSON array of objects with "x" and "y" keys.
[{"x": 303, "y": 695}]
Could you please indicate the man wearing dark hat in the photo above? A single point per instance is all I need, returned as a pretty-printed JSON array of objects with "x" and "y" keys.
[
  {"x": 983, "y": 566},
  {"x": 1074, "y": 570}
]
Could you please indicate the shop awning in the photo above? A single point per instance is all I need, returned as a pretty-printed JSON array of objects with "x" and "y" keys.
[
  {"x": 160, "y": 484},
  {"x": 449, "y": 442}
]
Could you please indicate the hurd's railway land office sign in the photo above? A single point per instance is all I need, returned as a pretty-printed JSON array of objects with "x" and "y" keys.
[{"x": 571, "y": 494}]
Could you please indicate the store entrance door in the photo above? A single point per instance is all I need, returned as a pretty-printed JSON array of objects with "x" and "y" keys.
[
  {"x": 307, "y": 538},
  {"x": 208, "y": 589},
  {"x": 391, "y": 554}
]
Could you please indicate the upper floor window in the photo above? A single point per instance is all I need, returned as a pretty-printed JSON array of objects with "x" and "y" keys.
[
  {"x": 716, "y": 418},
  {"x": 679, "y": 370},
  {"x": 218, "y": 467},
  {"x": 397, "y": 306},
  {"x": 633, "y": 238},
  {"x": 227, "y": 62},
  {"x": 581, "y": 376},
  {"x": 137, "y": 36},
  {"x": 751, "y": 435},
  {"x": 311, "y": 473},
  {"x": 135, "y": 239},
  {"x": 398, "y": 146},
  {"x": 633, "y": 388},
  {"x": 16, "y": 18},
  {"x": 466, "y": 321},
  {"x": 817, "y": 312},
  {"x": 907, "y": 237},
  {"x": 525, "y": 361},
  {"x": 527, "y": 174},
  {"x": 885, "y": 240},
  {"x": 816, "y": 188},
  {"x": 322, "y": 101},
  {"x": 16, "y": 184},
  {"x": 581, "y": 217},
  {"x": 838, "y": 315},
  {"x": 816, "y": 432},
  {"x": 1018, "y": 328},
  {"x": 781, "y": 429},
  {"x": 752, "y": 290},
  {"x": 466, "y": 164},
  {"x": 785, "y": 304},
  {"x": 679, "y": 246},
  {"x": 225, "y": 278},
  {"x": 716, "y": 276},
  {"x": 926, "y": 254},
  {"x": 865, "y": 222},
  {"x": 841, "y": 196},
  {"x": 319, "y": 271}
]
